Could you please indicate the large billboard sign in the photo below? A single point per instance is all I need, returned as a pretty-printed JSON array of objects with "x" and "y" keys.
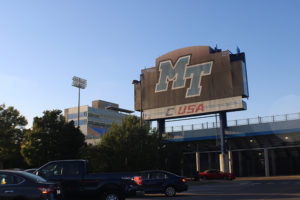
[{"x": 192, "y": 81}]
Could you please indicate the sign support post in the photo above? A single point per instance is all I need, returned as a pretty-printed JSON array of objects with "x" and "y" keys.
[
  {"x": 161, "y": 124},
  {"x": 223, "y": 156}
]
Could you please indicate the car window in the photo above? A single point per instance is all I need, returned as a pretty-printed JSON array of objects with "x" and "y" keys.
[
  {"x": 71, "y": 169},
  {"x": 7, "y": 179},
  {"x": 18, "y": 179},
  {"x": 89, "y": 168},
  {"x": 53, "y": 169},
  {"x": 145, "y": 176},
  {"x": 157, "y": 175}
]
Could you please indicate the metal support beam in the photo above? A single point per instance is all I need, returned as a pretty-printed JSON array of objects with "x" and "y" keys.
[{"x": 223, "y": 126}]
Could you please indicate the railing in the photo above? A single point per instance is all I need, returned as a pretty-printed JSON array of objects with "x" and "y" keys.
[{"x": 239, "y": 122}]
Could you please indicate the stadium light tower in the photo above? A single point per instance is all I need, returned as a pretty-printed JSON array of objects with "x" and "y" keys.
[{"x": 80, "y": 83}]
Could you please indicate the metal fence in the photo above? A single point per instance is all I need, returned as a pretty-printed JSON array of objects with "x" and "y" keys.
[{"x": 239, "y": 122}]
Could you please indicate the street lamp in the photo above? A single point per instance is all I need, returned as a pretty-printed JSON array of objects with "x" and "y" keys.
[
  {"x": 141, "y": 97},
  {"x": 80, "y": 83}
]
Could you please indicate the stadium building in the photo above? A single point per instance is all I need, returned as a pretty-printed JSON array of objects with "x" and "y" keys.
[
  {"x": 262, "y": 146},
  {"x": 96, "y": 120}
]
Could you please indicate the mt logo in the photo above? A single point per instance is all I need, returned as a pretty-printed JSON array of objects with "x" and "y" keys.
[{"x": 180, "y": 72}]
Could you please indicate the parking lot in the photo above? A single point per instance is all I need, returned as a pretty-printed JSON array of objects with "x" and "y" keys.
[{"x": 281, "y": 187}]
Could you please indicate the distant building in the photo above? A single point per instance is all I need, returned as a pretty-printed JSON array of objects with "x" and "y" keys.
[{"x": 96, "y": 120}]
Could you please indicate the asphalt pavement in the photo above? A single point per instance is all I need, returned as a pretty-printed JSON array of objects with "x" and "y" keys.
[{"x": 248, "y": 188}]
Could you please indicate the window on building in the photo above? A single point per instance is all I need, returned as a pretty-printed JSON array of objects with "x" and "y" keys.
[
  {"x": 75, "y": 115},
  {"x": 82, "y": 122}
]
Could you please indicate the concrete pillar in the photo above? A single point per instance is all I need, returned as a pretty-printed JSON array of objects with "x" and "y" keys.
[
  {"x": 273, "y": 162},
  {"x": 209, "y": 161},
  {"x": 230, "y": 162},
  {"x": 240, "y": 163},
  {"x": 223, "y": 162},
  {"x": 182, "y": 163},
  {"x": 198, "y": 161},
  {"x": 252, "y": 169},
  {"x": 266, "y": 158}
]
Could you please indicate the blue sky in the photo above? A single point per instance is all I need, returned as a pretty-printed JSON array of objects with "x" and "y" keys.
[{"x": 43, "y": 44}]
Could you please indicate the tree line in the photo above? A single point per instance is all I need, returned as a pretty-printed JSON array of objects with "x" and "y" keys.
[{"x": 126, "y": 147}]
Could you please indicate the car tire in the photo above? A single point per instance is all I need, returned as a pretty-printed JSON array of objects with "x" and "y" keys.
[
  {"x": 112, "y": 195},
  {"x": 204, "y": 178},
  {"x": 170, "y": 191}
]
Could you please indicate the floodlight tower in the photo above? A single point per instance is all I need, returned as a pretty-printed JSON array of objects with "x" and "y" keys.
[{"x": 80, "y": 83}]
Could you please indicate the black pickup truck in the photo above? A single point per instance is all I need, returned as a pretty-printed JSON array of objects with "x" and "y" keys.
[{"x": 78, "y": 182}]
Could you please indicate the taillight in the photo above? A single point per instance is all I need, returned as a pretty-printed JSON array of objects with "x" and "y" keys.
[
  {"x": 184, "y": 180},
  {"x": 138, "y": 180},
  {"x": 45, "y": 190}
]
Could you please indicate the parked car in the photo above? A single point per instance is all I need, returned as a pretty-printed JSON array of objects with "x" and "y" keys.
[
  {"x": 26, "y": 186},
  {"x": 158, "y": 181},
  {"x": 215, "y": 174},
  {"x": 78, "y": 182}
]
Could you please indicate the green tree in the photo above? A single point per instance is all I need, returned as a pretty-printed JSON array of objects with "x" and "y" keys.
[
  {"x": 172, "y": 155},
  {"x": 92, "y": 154},
  {"x": 51, "y": 138},
  {"x": 11, "y": 134},
  {"x": 127, "y": 147}
]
